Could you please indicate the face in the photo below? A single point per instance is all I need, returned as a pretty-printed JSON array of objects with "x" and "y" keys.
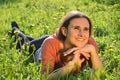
[{"x": 77, "y": 33}]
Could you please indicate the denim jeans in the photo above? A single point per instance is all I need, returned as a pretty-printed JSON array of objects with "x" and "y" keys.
[{"x": 38, "y": 56}]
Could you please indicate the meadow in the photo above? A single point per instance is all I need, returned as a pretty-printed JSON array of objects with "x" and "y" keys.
[{"x": 40, "y": 17}]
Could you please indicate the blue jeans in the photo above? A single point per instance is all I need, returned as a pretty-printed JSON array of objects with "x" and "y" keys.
[{"x": 38, "y": 56}]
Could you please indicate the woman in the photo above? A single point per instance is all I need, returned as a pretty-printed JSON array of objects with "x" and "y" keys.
[{"x": 66, "y": 51}]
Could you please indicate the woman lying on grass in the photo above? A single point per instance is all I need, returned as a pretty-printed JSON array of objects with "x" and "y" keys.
[{"x": 70, "y": 48}]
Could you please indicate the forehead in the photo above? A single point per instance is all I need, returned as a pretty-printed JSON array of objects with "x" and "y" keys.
[{"x": 79, "y": 22}]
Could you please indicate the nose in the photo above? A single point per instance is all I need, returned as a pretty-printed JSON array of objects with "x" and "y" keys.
[{"x": 81, "y": 32}]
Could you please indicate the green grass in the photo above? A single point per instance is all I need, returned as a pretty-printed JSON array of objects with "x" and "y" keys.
[{"x": 40, "y": 17}]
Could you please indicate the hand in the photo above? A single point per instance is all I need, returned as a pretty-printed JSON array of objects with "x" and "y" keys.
[
  {"x": 78, "y": 56},
  {"x": 88, "y": 51},
  {"x": 85, "y": 51}
]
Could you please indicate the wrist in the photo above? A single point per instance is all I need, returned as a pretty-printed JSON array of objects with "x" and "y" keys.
[
  {"x": 74, "y": 65},
  {"x": 71, "y": 63},
  {"x": 93, "y": 51}
]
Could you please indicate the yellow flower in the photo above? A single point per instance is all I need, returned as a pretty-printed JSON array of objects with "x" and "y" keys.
[
  {"x": 110, "y": 50},
  {"x": 16, "y": 31},
  {"x": 115, "y": 5},
  {"x": 111, "y": 6},
  {"x": 61, "y": 7},
  {"x": 63, "y": 0}
]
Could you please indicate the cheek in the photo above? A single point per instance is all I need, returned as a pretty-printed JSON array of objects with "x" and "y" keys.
[
  {"x": 87, "y": 34},
  {"x": 70, "y": 33},
  {"x": 73, "y": 32}
]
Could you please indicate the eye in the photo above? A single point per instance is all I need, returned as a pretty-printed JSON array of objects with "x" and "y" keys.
[
  {"x": 76, "y": 27},
  {"x": 86, "y": 29}
]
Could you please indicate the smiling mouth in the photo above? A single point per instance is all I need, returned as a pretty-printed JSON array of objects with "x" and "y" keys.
[{"x": 80, "y": 39}]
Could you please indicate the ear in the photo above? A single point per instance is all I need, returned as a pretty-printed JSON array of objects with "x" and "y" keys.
[{"x": 64, "y": 31}]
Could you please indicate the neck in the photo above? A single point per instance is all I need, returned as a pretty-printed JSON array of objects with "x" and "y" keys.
[{"x": 67, "y": 46}]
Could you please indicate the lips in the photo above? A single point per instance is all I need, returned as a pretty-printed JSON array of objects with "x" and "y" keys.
[{"x": 80, "y": 39}]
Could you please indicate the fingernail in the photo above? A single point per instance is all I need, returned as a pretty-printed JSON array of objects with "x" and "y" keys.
[{"x": 64, "y": 54}]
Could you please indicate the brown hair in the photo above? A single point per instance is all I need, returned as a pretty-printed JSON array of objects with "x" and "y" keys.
[{"x": 66, "y": 21}]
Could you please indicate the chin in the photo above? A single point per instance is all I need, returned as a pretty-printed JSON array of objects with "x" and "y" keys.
[{"x": 80, "y": 45}]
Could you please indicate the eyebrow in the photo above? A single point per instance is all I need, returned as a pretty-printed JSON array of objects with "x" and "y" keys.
[{"x": 80, "y": 26}]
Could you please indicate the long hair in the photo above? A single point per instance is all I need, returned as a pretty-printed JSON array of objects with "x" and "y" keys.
[{"x": 66, "y": 21}]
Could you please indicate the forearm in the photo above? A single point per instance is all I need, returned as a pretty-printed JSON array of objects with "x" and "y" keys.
[
  {"x": 62, "y": 71},
  {"x": 96, "y": 62}
]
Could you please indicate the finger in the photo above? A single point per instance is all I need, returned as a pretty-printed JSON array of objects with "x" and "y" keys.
[
  {"x": 70, "y": 51},
  {"x": 82, "y": 60},
  {"x": 79, "y": 52},
  {"x": 86, "y": 55},
  {"x": 82, "y": 53}
]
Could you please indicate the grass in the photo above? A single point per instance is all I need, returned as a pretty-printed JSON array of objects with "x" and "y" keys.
[{"x": 40, "y": 17}]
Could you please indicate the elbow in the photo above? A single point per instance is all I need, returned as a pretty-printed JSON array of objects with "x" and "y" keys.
[{"x": 100, "y": 67}]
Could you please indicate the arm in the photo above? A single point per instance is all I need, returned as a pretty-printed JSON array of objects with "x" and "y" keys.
[
  {"x": 93, "y": 42},
  {"x": 57, "y": 74},
  {"x": 96, "y": 63},
  {"x": 48, "y": 57},
  {"x": 89, "y": 52},
  {"x": 90, "y": 49},
  {"x": 72, "y": 65}
]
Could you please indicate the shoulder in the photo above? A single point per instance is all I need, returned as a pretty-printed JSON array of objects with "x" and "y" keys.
[
  {"x": 91, "y": 40},
  {"x": 51, "y": 40},
  {"x": 50, "y": 47}
]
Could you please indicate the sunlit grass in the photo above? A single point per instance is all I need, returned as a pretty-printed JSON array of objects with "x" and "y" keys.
[{"x": 41, "y": 17}]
